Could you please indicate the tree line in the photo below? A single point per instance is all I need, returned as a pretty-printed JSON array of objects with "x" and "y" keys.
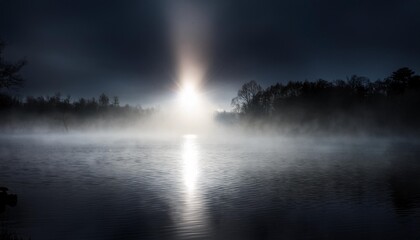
[
  {"x": 354, "y": 104},
  {"x": 58, "y": 103},
  {"x": 56, "y": 110}
]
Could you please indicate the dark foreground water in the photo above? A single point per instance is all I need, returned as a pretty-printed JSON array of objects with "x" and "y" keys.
[{"x": 195, "y": 188}]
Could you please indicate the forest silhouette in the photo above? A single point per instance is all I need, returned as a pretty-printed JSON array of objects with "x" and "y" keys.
[
  {"x": 390, "y": 105},
  {"x": 57, "y": 111}
]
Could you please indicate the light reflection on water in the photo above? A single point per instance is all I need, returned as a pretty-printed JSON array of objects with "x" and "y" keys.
[
  {"x": 192, "y": 187},
  {"x": 190, "y": 158},
  {"x": 192, "y": 222}
]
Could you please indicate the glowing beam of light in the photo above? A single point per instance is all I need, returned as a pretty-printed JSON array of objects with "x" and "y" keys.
[{"x": 190, "y": 27}]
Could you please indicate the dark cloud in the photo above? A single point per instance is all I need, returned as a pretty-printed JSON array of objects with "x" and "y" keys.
[
  {"x": 297, "y": 35},
  {"x": 124, "y": 47}
]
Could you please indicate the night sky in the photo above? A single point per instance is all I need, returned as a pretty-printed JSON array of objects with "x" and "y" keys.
[{"x": 126, "y": 48}]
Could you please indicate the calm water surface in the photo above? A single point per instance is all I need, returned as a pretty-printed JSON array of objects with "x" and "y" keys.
[{"x": 196, "y": 188}]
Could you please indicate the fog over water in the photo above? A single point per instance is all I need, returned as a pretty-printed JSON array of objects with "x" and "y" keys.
[
  {"x": 107, "y": 186},
  {"x": 209, "y": 119}
]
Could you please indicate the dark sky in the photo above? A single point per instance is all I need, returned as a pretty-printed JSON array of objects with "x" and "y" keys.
[{"x": 125, "y": 48}]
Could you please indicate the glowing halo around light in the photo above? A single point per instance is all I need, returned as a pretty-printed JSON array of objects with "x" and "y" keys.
[
  {"x": 190, "y": 80},
  {"x": 188, "y": 97},
  {"x": 190, "y": 29}
]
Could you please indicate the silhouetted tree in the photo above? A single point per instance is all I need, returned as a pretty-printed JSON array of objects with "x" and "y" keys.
[
  {"x": 92, "y": 105},
  {"x": 103, "y": 100},
  {"x": 116, "y": 102},
  {"x": 9, "y": 72},
  {"x": 245, "y": 95},
  {"x": 402, "y": 75},
  {"x": 399, "y": 81},
  {"x": 358, "y": 85}
]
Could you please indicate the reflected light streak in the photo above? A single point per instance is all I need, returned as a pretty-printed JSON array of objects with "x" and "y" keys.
[
  {"x": 193, "y": 222},
  {"x": 190, "y": 163}
]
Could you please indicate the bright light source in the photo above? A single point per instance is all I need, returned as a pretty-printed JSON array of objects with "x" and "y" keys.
[{"x": 188, "y": 97}]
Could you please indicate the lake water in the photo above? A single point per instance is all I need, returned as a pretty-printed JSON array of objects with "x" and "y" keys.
[{"x": 192, "y": 187}]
